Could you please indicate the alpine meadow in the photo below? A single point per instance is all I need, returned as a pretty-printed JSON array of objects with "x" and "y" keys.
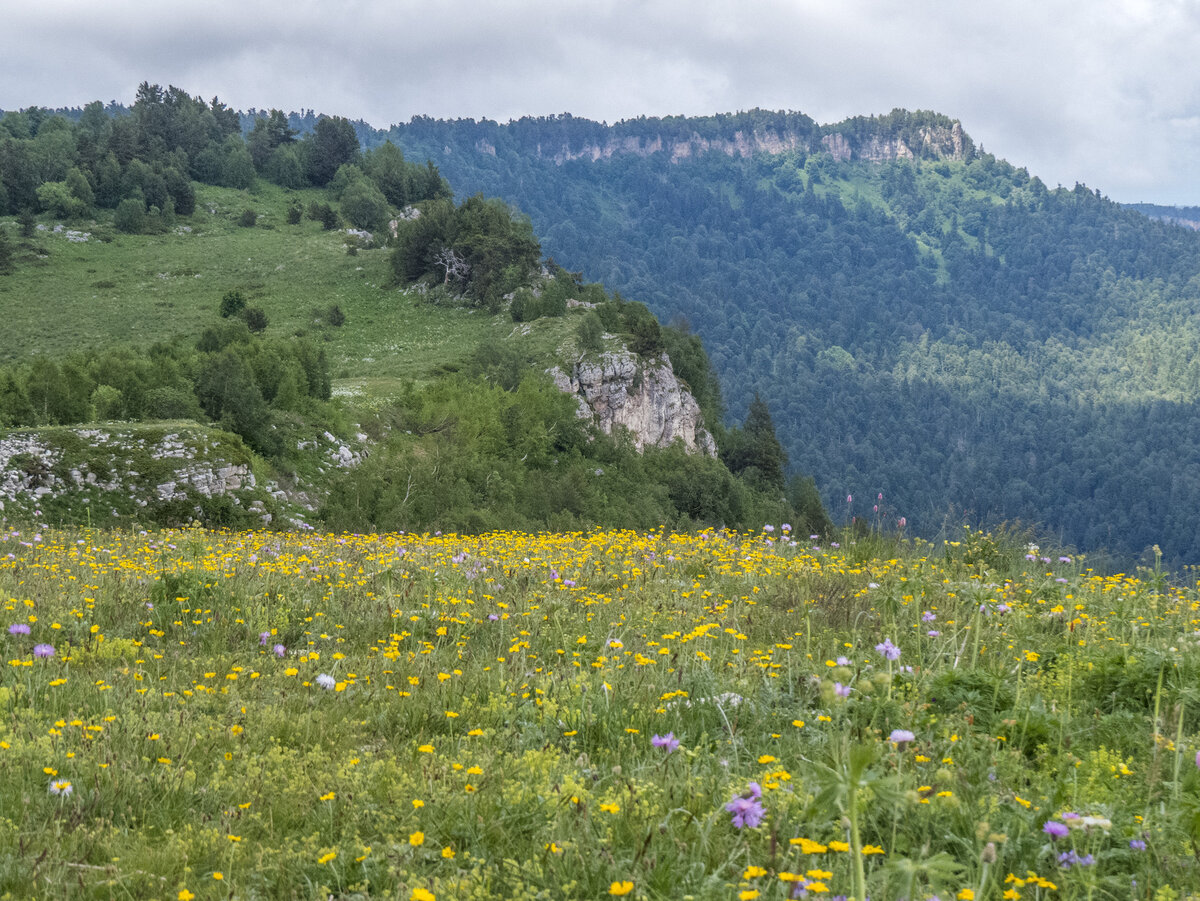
[{"x": 692, "y": 508}]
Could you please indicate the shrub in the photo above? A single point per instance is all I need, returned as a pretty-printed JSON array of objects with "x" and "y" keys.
[
  {"x": 232, "y": 303},
  {"x": 130, "y": 216},
  {"x": 255, "y": 319},
  {"x": 248, "y": 218}
]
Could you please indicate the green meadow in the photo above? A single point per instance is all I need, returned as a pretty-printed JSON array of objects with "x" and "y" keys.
[{"x": 192, "y": 715}]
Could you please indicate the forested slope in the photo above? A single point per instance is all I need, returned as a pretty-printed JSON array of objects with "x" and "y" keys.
[{"x": 945, "y": 330}]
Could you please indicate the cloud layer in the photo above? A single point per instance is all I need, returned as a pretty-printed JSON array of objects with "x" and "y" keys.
[{"x": 1107, "y": 94}]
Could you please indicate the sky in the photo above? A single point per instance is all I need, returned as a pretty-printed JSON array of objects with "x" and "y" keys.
[{"x": 1105, "y": 93}]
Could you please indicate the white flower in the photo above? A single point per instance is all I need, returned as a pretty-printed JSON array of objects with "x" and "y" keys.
[
  {"x": 61, "y": 787},
  {"x": 326, "y": 681}
]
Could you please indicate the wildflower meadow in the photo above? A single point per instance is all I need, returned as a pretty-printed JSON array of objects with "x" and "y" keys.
[{"x": 195, "y": 714}]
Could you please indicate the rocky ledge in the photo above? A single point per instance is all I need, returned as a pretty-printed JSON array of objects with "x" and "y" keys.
[{"x": 619, "y": 389}]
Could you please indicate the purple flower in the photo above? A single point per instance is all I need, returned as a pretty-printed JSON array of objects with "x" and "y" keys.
[
  {"x": 928, "y": 616},
  {"x": 1070, "y": 858},
  {"x": 1064, "y": 559},
  {"x": 888, "y": 650},
  {"x": 900, "y": 736},
  {"x": 279, "y": 650},
  {"x": 43, "y": 650},
  {"x": 747, "y": 811},
  {"x": 667, "y": 742},
  {"x": 264, "y": 637},
  {"x": 842, "y": 691},
  {"x": 755, "y": 790},
  {"x": 1055, "y": 829},
  {"x": 18, "y": 629},
  {"x": 933, "y": 633},
  {"x": 843, "y": 661},
  {"x": 1137, "y": 844}
]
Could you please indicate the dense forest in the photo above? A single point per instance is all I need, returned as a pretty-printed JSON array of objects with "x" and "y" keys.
[
  {"x": 480, "y": 442},
  {"x": 946, "y": 330}
]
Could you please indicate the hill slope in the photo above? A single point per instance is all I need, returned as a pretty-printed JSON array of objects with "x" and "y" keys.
[
  {"x": 401, "y": 373},
  {"x": 924, "y": 320}
]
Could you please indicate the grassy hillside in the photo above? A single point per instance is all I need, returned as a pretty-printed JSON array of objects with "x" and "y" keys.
[{"x": 120, "y": 289}]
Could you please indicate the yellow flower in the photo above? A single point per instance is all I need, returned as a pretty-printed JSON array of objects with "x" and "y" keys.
[
  {"x": 753, "y": 872},
  {"x": 218, "y": 876},
  {"x": 448, "y": 853},
  {"x": 610, "y": 808},
  {"x": 417, "y": 838},
  {"x": 966, "y": 895},
  {"x": 872, "y": 849},
  {"x": 425, "y": 749},
  {"x": 325, "y": 858},
  {"x": 620, "y": 888},
  {"x": 808, "y": 846},
  {"x": 421, "y": 894},
  {"x": 838, "y": 846},
  {"x": 748, "y": 895},
  {"x": 185, "y": 895}
]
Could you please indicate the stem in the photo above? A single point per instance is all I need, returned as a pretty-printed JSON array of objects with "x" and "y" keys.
[{"x": 860, "y": 875}]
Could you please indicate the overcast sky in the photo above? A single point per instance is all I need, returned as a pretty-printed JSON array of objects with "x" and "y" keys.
[{"x": 1106, "y": 93}]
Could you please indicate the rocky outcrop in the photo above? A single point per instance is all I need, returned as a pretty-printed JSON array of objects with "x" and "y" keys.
[
  {"x": 941, "y": 142},
  {"x": 620, "y": 390},
  {"x": 114, "y": 474}
]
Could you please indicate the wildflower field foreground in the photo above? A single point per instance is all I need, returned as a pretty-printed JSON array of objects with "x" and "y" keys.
[{"x": 200, "y": 715}]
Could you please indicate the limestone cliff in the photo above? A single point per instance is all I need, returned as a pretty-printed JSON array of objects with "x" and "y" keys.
[
  {"x": 926, "y": 141},
  {"x": 618, "y": 389}
]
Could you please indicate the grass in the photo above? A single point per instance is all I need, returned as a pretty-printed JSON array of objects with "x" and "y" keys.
[
  {"x": 259, "y": 715},
  {"x": 137, "y": 289}
]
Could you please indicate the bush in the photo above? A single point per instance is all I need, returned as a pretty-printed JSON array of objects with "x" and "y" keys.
[
  {"x": 590, "y": 333},
  {"x": 255, "y": 319},
  {"x": 248, "y": 218},
  {"x": 294, "y": 214},
  {"x": 130, "y": 216},
  {"x": 232, "y": 303}
]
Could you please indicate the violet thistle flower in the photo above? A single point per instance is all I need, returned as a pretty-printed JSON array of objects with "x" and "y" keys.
[
  {"x": 888, "y": 650},
  {"x": 43, "y": 650},
  {"x": 667, "y": 742},
  {"x": 1055, "y": 829},
  {"x": 747, "y": 809},
  {"x": 18, "y": 629}
]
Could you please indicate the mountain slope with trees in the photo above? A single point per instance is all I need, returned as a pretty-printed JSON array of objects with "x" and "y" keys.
[
  {"x": 383, "y": 349},
  {"x": 926, "y": 321}
]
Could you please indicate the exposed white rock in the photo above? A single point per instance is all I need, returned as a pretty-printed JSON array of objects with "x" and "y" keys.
[{"x": 617, "y": 389}]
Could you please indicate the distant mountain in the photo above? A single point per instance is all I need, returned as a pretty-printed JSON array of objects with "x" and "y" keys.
[
  {"x": 924, "y": 320},
  {"x": 1187, "y": 216}
]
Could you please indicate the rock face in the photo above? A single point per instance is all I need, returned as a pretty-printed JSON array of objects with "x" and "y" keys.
[
  {"x": 617, "y": 389},
  {"x": 941, "y": 142}
]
